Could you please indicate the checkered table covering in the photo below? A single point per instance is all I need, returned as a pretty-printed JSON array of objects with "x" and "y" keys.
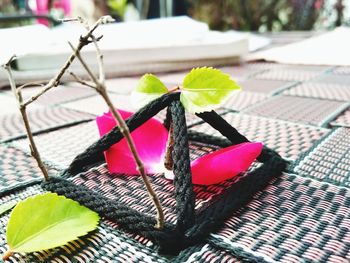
[{"x": 303, "y": 216}]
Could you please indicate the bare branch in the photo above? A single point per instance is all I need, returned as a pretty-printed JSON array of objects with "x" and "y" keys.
[
  {"x": 140, "y": 167},
  {"x": 100, "y": 87},
  {"x": 83, "y": 41},
  {"x": 22, "y": 108},
  {"x": 84, "y": 64},
  {"x": 81, "y": 81},
  {"x": 30, "y": 84},
  {"x": 74, "y": 19}
]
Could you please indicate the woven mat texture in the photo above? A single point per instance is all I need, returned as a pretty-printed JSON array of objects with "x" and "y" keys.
[
  {"x": 295, "y": 219},
  {"x": 321, "y": 90},
  {"x": 303, "y": 216},
  {"x": 289, "y": 139},
  {"x": 330, "y": 160},
  {"x": 61, "y": 146},
  {"x": 11, "y": 125},
  {"x": 17, "y": 168},
  {"x": 342, "y": 120},
  {"x": 299, "y": 109},
  {"x": 129, "y": 189}
]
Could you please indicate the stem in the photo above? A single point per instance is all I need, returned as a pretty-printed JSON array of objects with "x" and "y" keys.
[
  {"x": 100, "y": 87},
  {"x": 33, "y": 150},
  {"x": 18, "y": 95},
  {"x": 83, "y": 41},
  {"x": 125, "y": 131},
  {"x": 176, "y": 88},
  {"x": 7, "y": 255},
  {"x": 168, "y": 159}
]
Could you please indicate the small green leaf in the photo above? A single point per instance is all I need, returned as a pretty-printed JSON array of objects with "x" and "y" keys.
[
  {"x": 148, "y": 89},
  {"x": 204, "y": 89},
  {"x": 47, "y": 221},
  {"x": 7, "y": 206}
]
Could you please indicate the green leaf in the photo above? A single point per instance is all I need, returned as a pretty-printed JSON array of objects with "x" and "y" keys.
[
  {"x": 47, "y": 221},
  {"x": 204, "y": 89},
  {"x": 7, "y": 206},
  {"x": 149, "y": 88}
]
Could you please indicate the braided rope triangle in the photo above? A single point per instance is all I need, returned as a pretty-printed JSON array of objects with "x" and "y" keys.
[{"x": 191, "y": 227}]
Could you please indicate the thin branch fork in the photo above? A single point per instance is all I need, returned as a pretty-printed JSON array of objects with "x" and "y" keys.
[
  {"x": 83, "y": 41},
  {"x": 100, "y": 87},
  {"x": 22, "y": 108}
]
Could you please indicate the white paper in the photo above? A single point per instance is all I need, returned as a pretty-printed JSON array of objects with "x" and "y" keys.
[{"x": 331, "y": 48}]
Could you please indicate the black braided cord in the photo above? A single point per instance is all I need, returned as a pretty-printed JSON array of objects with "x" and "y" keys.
[
  {"x": 184, "y": 194},
  {"x": 190, "y": 228}
]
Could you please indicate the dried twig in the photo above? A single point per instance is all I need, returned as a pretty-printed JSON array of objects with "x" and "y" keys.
[
  {"x": 100, "y": 87},
  {"x": 81, "y": 81},
  {"x": 22, "y": 108},
  {"x": 168, "y": 159},
  {"x": 83, "y": 41}
]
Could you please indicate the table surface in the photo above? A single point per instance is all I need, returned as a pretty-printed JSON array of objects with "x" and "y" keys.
[{"x": 302, "y": 112}]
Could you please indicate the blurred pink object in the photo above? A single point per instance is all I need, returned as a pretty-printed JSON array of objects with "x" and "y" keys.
[
  {"x": 43, "y": 9},
  {"x": 225, "y": 163},
  {"x": 150, "y": 140}
]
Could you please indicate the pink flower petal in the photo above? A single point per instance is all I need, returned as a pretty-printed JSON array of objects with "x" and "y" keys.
[
  {"x": 150, "y": 140},
  {"x": 225, "y": 163}
]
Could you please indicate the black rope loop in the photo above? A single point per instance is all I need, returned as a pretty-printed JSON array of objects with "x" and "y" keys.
[{"x": 190, "y": 228}]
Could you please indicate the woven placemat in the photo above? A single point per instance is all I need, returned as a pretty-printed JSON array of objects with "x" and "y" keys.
[
  {"x": 61, "y": 146},
  {"x": 270, "y": 87},
  {"x": 102, "y": 245},
  {"x": 8, "y": 104},
  {"x": 43, "y": 119},
  {"x": 335, "y": 79},
  {"x": 341, "y": 70},
  {"x": 58, "y": 95},
  {"x": 130, "y": 190},
  {"x": 95, "y": 105},
  {"x": 206, "y": 253},
  {"x": 290, "y": 140},
  {"x": 243, "y": 100},
  {"x": 241, "y": 72},
  {"x": 290, "y": 74},
  {"x": 321, "y": 90},
  {"x": 295, "y": 219},
  {"x": 297, "y": 109},
  {"x": 122, "y": 85},
  {"x": 330, "y": 160},
  {"x": 342, "y": 120},
  {"x": 17, "y": 168}
]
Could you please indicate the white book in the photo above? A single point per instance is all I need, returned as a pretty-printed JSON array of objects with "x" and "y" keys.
[{"x": 128, "y": 48}]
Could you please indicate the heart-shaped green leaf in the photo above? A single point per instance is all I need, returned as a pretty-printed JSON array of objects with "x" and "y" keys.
[
  {"x": 7, "y": 206},
  {"x": 47, "y": 221},
  {"x": 149, "y": 88},
  {"x": 204, "y": 89}
]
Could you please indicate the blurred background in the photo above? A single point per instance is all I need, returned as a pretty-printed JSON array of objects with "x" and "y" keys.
[{"x": 244, "y": 15}]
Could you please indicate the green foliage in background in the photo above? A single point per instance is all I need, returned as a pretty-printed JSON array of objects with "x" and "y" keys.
[
  {"x": 118, "y": 6},
  {"x": 257, "y": 15}
]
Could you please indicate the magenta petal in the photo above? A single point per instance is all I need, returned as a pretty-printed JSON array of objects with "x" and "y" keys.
[
  {"x": 225, "y": 163},
  {"x": 150, "y": 140}
]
